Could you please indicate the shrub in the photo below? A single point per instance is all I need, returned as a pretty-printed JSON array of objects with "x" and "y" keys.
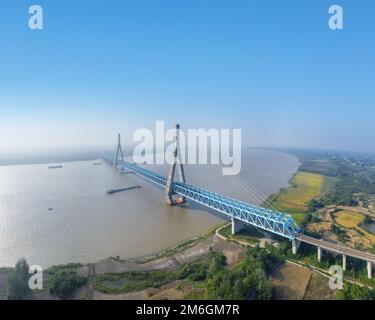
[{"x": 64, "y": 282}]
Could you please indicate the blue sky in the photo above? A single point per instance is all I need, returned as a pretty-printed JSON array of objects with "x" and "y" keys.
[{"x": 272, "y": 68}]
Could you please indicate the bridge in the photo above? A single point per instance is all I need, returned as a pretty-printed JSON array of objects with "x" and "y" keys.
[{"x": 239, "y": 212}]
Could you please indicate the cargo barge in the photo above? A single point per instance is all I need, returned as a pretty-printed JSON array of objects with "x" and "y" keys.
[{"x": 112, "y": 191}]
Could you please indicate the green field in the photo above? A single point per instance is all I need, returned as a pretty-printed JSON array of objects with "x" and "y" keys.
[{"x": 305, "y": 186}]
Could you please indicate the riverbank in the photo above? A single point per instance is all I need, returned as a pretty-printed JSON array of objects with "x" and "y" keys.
[
  {"x": 170, "y": 260},
  {"x": 175, "y": 272},
  {"x": 112, "y": 278}
]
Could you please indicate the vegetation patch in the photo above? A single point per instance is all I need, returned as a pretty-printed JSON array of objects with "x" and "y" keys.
[
  {"x": 247, "y": 234},
  {"x": 18, "y": 279},
  {"x": 65, "y": 280},
  {"x": 137, "y": 280},
  {"x": 208, "y": 278},
  {"x": 248, "y": 280},
  {"x": 355, "y": 292}
]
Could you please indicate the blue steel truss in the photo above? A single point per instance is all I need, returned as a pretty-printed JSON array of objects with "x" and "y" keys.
[{"x": 269, "y": 220}]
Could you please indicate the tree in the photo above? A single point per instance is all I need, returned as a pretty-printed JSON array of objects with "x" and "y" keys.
[{"x": 18, "y": 280}]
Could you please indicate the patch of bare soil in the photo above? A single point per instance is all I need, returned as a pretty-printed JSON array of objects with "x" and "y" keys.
[
  {"x": 290, "y": 281},
  {"x": 169, "y": 292},
  {"x": 318, "y": 289}
]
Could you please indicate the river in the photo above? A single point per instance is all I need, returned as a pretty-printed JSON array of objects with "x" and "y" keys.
[{"x": 56, "y": 216}]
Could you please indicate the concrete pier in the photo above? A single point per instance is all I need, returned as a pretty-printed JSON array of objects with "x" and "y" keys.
[
  {"x": 295, "y": 246},
  {"x": 320, "y": 251},
  {"x": 369, "y": 269},
  {"x": 344, "y": 262},
  {"x": 237, "y": 225}
]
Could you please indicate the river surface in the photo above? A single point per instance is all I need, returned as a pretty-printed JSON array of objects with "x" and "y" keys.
[{"x": 55, "y": 216}]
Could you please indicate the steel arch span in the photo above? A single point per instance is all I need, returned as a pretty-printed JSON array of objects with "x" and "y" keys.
[{"x": 269, "y": 220}]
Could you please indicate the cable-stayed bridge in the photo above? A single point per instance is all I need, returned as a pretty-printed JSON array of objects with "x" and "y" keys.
[
  {"x": 268, "y": 220},
  {"x": 241, "y": 213}
]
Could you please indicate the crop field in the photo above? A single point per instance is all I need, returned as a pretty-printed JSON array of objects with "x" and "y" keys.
[
  {"x": 294, "y": 199},
  {"x": 348, "y": 219}
]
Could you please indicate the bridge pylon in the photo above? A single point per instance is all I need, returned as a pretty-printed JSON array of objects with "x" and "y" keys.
[
  {"x": 119, "y": 152},
  {"x": 170, "y": 196}
]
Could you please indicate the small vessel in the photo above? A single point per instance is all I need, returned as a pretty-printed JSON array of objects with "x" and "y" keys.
[
  {"x": 122, "y": 189},
  {"x": 97, "y": 163},
  {"x": 55, "y": 167}
]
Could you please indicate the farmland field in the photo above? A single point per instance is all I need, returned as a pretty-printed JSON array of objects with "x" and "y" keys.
[
  {"x": 304, "y": 187},
  {"x": 348, "y": 219}
]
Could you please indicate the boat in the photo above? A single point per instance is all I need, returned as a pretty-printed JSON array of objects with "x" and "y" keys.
[
  {"x": 55, "y": 167},
  {"x": 112, "y": 191}
]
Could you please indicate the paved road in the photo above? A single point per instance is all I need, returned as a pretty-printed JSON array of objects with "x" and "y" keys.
[{"x": 336, "y": 247}]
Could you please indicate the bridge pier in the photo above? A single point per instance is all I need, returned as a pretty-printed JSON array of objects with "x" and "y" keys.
[
  {"x": 344, "y": 262},
  {"x": 295, "y": 246},
  {"x": 369, "y": 269},
  {"x": 320, "y": 251},
  {"x": 237, "y": 225}
]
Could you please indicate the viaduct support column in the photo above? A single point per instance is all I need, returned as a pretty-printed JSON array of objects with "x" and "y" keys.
[
  {"x": 369, "y": 269},
  {"x": 319, "y": 254},
  {"x": 295, "y": 246},
  {"x": 237, "y": 225},
  {"x": 344, "y": 262}
]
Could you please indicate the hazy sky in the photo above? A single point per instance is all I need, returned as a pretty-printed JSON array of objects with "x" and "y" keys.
[{"x": 272, "y": 68}]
